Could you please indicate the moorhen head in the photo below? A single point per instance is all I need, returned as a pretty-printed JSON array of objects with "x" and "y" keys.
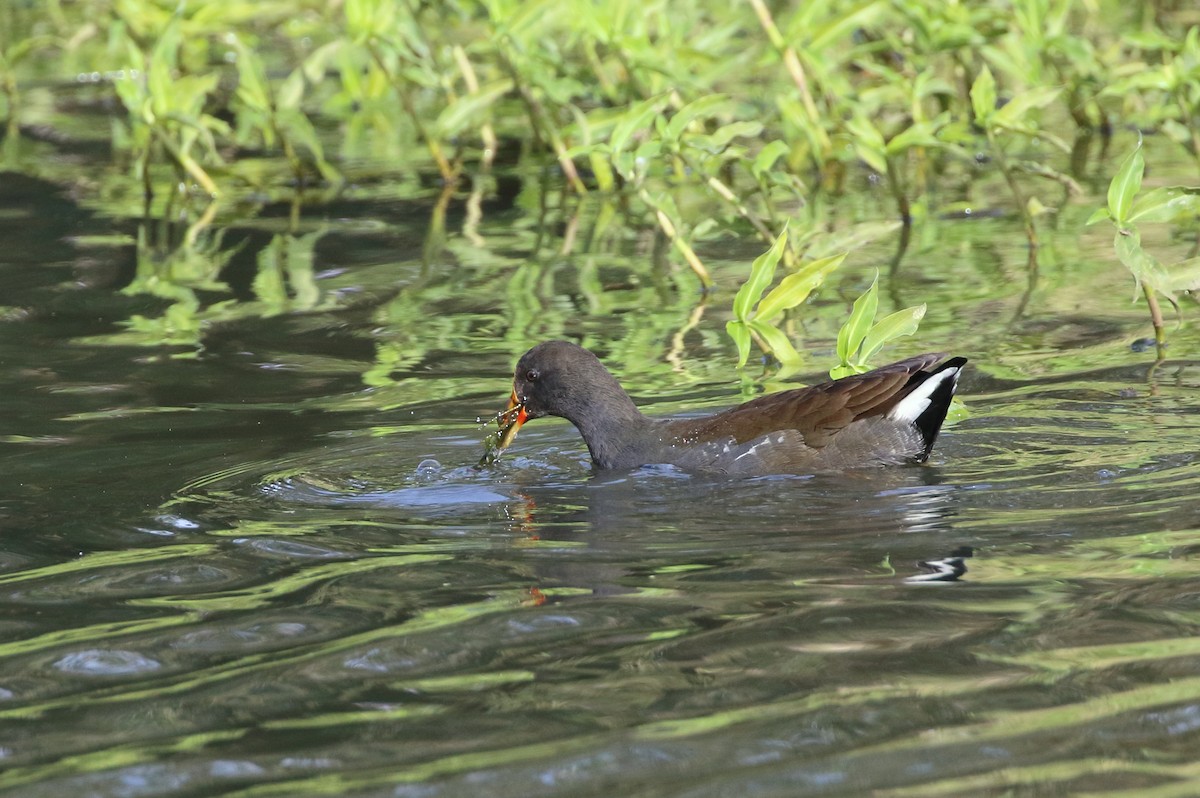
[{"x": 890, "y": 415}]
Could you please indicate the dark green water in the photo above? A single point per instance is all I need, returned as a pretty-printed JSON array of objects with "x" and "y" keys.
[{"x": 260, "y": 561}]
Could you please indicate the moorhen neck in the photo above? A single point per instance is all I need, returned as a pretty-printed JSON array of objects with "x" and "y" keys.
[{"x": 887, "y": 416}]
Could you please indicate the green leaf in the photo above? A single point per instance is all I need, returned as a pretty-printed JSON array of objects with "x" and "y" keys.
[
  {"x": 740, "y": 334},
  {"x": 1185, "y": 275},
  {"x": 252, "y": 86},
  {"x": 160, "y": 71},
  {"x": 795, "y": 288},
  {"x": 1125, "y": 186},
  {"x": 720, "y": 139},
  {"x": 602, "y": 170},
  {"x": 302, "y": 132},
  {"x": 1144, "y": 267},
  {"x": 762, "y": 271},
  {"x": 841, "y": 25},
  {"x": 22, "y": 49},
  {"x": 844, "y": 370},
  {"x": 868, "y": 143},
  {"x": 1014, "y": 111},
  {"x": 466, "y": 109},
  {"x": 918, "y": 135},
  {"x": 777, "y": 342},
  {"x": 634, "y": 119},
  {"x": 318, "y": 62},
  {"x": 898, "y": 324},
  {"x": 291, "y": 91},
  {"x": 1165, "y": 204},
  {"x": 1099, "y": 215},
  {"x": 852, "y": 333},
  {"x": 689, "y": 113},
  {"x": 983, "y": 97},
  {"x": 767, "y": 156}
]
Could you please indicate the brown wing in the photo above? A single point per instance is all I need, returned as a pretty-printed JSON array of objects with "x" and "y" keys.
[{"x": 817, "y": 413}]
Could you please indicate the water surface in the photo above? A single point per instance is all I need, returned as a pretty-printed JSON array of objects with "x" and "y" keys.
[{"x": 262, "y": 561}]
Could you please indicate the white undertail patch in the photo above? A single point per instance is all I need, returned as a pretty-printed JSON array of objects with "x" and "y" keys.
[{"x": 911, "y": 407}]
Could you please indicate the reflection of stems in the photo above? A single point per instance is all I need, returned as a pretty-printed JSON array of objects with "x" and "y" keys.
[
  {"x": 1031, "y": 271},
  {"x": 898, "y": 193},
  {"x": 1011, "y": 179},
  {"x": 572, "y": 230},
  {"x": 470, "y": 226},
  {"x": 186, "y": 162},
  {"x": 147, "y": 185},
  {"x": 675, "y": 355},
  {"x": 436, "y": 236},
  {"x": 294, "y": 211},
  {"x": 901, "y": 248},
  {"x": 200, "y": 225}
]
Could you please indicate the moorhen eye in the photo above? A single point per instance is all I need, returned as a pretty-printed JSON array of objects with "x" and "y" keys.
[{"x": 532, "y": 375}]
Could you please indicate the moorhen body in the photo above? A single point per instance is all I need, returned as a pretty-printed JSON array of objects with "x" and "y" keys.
[{"x": 890, "y": 415}]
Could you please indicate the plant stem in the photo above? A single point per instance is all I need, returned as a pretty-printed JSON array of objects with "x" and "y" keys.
[
  {"x": 688, "y": 253},
  {"x": 1018, "y": 195},
  {"x": 898, "y": 192},
  {"x": 449, "y": 173},
  {"x": 1156, "y": 318}
]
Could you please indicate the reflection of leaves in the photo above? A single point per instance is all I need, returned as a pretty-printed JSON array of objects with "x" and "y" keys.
[{"x": 284, "y": 281}]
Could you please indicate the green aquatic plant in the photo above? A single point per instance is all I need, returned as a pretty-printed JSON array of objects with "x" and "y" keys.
[
  {"x": 14, "y": 49},
  {"x": 1162, "y": 91},
  {"x": 671, "y": 123},
  {"x": 1016, "y": 118},
  {"x": 1127, "y": 207},
  {"x": 861, "y": 337},
  {"x": 756, "y": 311},
  {"x": 274, "y": 114},
  {"x": 167, "y": 111}
]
